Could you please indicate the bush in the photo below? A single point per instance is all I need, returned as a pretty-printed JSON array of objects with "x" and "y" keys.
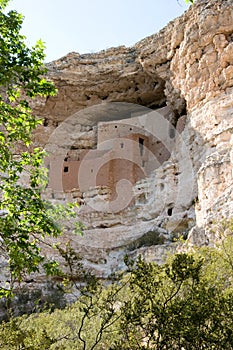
[{"x": 185, "y": 304}]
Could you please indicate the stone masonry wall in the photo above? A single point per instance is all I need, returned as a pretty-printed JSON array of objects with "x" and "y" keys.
[{"x": 188, "y": 67}]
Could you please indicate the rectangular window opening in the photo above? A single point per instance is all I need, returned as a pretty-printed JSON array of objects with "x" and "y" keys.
[{"x": 141, "y": 145}]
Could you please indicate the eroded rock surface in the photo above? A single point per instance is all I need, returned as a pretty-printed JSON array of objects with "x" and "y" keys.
[{"x": 188, "y": 67}]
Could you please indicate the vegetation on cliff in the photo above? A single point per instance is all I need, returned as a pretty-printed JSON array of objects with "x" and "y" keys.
[
  {"x": 187, "y": 303},
  {"x": 184, "y": 304},
  {"x": 24, "y": 217}
]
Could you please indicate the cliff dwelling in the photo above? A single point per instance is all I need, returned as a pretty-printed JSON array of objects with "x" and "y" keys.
[
  {"x": 128, "y": 149},
  {"x": 141, "y": 138},
  {"x": 103, "y": 147}
]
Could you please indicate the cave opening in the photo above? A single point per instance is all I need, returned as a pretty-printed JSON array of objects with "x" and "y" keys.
[{"x": 169, "y": 211}]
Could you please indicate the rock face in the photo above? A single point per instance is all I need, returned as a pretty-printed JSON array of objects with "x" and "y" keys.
[{"x": 184, "y": 73}]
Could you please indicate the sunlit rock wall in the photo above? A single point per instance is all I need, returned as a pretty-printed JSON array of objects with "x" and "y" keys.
[{"x": 184, "y": 73}]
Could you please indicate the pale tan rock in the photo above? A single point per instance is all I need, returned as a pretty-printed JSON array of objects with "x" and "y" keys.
[{"x": 187, "y": 66}]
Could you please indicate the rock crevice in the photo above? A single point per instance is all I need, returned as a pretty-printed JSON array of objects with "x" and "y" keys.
[{"x": 187, "y": 67}]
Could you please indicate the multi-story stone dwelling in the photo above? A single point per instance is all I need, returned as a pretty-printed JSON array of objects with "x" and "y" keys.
[{"x": 128, "y": 149}]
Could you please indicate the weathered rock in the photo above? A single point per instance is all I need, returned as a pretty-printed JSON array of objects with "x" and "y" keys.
[
  {"x": 186, "y": 63},
  {"x": 187, "y": 66}
]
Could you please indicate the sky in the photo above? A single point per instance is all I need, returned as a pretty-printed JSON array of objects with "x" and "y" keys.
[{"x": 88, "y": 26}]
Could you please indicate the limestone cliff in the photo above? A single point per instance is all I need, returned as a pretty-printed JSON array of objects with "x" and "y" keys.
[{"x": 185, "y": 74}]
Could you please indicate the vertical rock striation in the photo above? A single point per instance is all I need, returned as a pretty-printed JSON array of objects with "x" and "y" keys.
[{"x": 185, "y": 73}]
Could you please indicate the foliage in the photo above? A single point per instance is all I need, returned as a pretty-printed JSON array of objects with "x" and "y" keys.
[
  {"x": 187, "y": 1},
  {"x": 90, "y": 323},
  {"x": 185, "y": 304},
  {"x": 173, "y": 307},
  {"x": 25, "y": 218}
]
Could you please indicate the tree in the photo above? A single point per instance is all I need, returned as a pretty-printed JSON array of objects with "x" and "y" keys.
[
  {"x": 185, "y": 304},
  {"x": 24, "y": 217}
]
